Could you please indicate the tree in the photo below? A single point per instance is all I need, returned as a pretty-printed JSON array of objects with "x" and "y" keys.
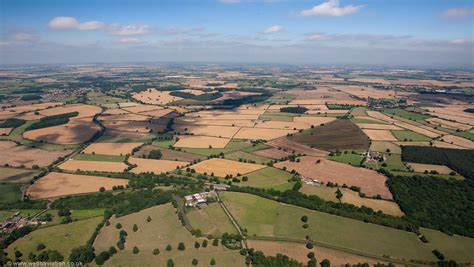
[
  {"x": 170, "y": 263},
  {"x": 18, "y": 254},
  {"x": 181, "y": 246},
  {"x": 135, "y": 227},
  {"x": 204, "y": 243},
  {"x": 304, "y": 218},
  {"x": 102, "y": 189},
  {"x": 213, "y": 262},
  {"x": 309, "y": 245},
  {"x": 118, "y": 226},
  {"x": 310, "y": 255},
  {"x": 215, "y": 242},
  {"x": 148, "y": 219},
  {"x": 102, "y": 257},
  {"x": 338, "y": 194},
  {"x": 156, "y": 251},
  {"x": 40, "y": 246},
  {"x": 195, "y": 262},
  {"x": 112, "y": 250},
  {"x": 64, "y": 212},
  {"x": 312, "y": 263},
  {"x": 135, "y": 250},
  {"x": 168, "y": 248},
  {"x": 197, "y": 245},
  {"x": 325, "y": 263},
  {"x": 83, "y": 254}
]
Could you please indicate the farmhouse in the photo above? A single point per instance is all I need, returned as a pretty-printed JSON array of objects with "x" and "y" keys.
[
  {"x": 199, "y": 199},
  {"x": 311, "y": 181}
]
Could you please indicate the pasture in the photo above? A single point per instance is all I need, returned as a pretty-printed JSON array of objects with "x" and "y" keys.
[
  {"x": 10, "y": 192},
  {"x": 15, "y": 175},
  {"x": 22, "y": 155},
  {"x": 268, "y": 177},
  {"x": 211, "y": 220}
]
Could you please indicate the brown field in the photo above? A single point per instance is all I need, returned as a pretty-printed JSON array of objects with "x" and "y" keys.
[
  {"x": 430, "y": 133},
  {"x": 207, "y": 130},
  {"x": 99, "y": 166},
  {"x": 155, "y": 165},
  {"x": 142, "y": 108},
  {"x": 370, "y": 182},
  {"x": 387, "y": 207},
  {"x": 328, "y": 101},
  {"x": 453, "y": 112},
  {"x": 114, "y": 133},
  {"x": 169, "y": 154},
  {"x": 261, "y": 133},
  {"x": 313, "y": 120},
  {"x": 438, "y": 143},
  {"x": 298, "y": 251},
  {"x": 329, "y": 111},
  {"x": 74, "y": 132},
  {"x": 56, "y": 184},
  {"x": 111, "y": 148},
  {"x": 417, "y": 167},
  {"x": 153, "y": 96},
  {"x": 134, "y": 126},
  {"x": 376, "y": 126},
  {"x": 5, "y": 131},
  {"x": 321, "y": 95},
  {"x": 192, "y": 141},
  {"x": 28, "y": 108},
  {"x": 449, "y": 124},
  {"x": 124, "y": 117},
  {"x": 366, "y": 92},
  {"x": 293, "y": 147},
  {"x": 223, "y": 167},
  {"x": 458, "y": 141},
  {"x": 18, "y": 155},
  {"x": 222, "y": 116},
  {"x": 194, "y": 121},
  {"x": 379, "y": 135},
  {"x": 114, "y": 111},
  {"x": 273, "y": 153},
  {"x": 158, "y": 112},
  {"x": 289, "y": 125},
  {"x": 29, "y": 116},
  {"x": 84, "y": 110},
  {"x": 128, "y": 104}
]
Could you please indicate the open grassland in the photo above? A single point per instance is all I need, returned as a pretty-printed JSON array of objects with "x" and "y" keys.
[
  {"x": 76, "y": 215},
  {"x": 407, "y": 114},
  {"x": 115, "y": 149},
  {"x": 169, "y": 154},
  {"x": 57, "y": 184},
  {"x": 394, "y": 162},
  {"x": 62, "y": 238},
  {"x": 5, "y": 214},
  {"x": 10, "y": 192},
  {"x": 15, "y": 175},
  {"x": 454, "y": 247},
  {"x": 163, "y": 229},
  {"x": 365, "y": 119},
  {"x": 223, "y": 167},
  {"x": 88, "y": 165},
  {"x": 348, "y": 158},
  {"x": 156, "y": 166},
  {"x": 339, "y": 134},
  {"x": 241, "y": 156},
  {"x": 410, "y": 136},
  {"x": 262, "y": 133},
  {"x": 98, "y": 157},
  {"x": 266, "y": 218},
  {"x": 268, "y": 177},
  {"x": 418, "y": 167},
  {"x": 211, "y": 220},
  {"x": 381, "y": 146},
  {"x": 370, "y": 182},
  {"x": 21, "y": 155}
]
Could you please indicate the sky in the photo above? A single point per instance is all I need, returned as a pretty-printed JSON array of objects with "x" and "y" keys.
[{"x": 411, "y": 33}]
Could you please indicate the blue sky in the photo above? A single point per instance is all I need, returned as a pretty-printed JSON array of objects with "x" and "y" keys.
[{"x": 430, "y": 33}]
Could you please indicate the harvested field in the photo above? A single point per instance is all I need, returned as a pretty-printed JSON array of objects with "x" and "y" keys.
[
  {"x": 169, "y": 154},
  {"x": 273, "y": 153},
  {"x": 418, "y": 167},
  {"x": 29, "y": 116},
  {"x": 290, "y": 146},
  {"x": 56, "y": 184},
  {"x": 458, "y": 141},
  {"x": 125, "y": 117},
  {"x": 98, "y": 166},
  {"x": 327, "y": 101},
  {"x": 370, "y": 182},
  {"x": 155, "y": 165},
  {"x": 387, "y": 207},
  {"x": 449, "y": 124},
  {"x": 135, "y": 126},
  {"x": 194, "y": 121},
  {"x": 76, "y": 131},
  {"x": 15, "y": 175},
  {"x": 379, "y": 126},
  {"x": 114, "y": 111},
  {"x": 339, "y": 134},
  {"x": 261, "y": 133},
  {"x": 5, "y": 131},
  {"x": 222, "y": 116},
  {"x": 21, "y": 155},
  {"x": 430, "y": 133},
  {"x": 438, "y": 143},
  {"x": 206, "y": 130},
  {"x": 223, "y": 167},
  {"x": 157, "y": 113},
  {"x": 142, "y": 108},
  {"x": 413, "y": 143},
  {"x": 289, "y": 125},
  {"x": 313, "y": 120},
  {"x": 380, "y": 135},
  {"x": 153, "y": 96},
  {"x": 191, "y": 141},
  {"x": 118, "y": 149},
  {"x": 85, "y": 111},
  {"x": 380, "y": 116},
  {"x": 298, "y": 251}
]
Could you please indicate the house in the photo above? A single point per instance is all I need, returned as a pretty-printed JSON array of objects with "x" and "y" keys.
[
  {"x": 311, "y": 181},
  {"x": 199, "y": 199}
]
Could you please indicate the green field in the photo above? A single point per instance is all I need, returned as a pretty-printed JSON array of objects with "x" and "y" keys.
[
  {"x": 280, "y": 98},
  {"x": 164, "y": 143},
  {"x": 454, "y": 247},
  {"x": 232, "y": 146},
  {"x": 247, "y": 156},
  {"x": 10, "y": 192},
  {"x": 62, "y": 238},
  {"x": 324, "y": 192},
  {"x": 76, "y": 215},
  {"x": 268, "y": 177},
  {"x": 349, "y": 158},
  {"x": 163, "y": 229},
  {"x": 382, "y": 146},
  {"x": 394, "y": 163},
  {"x": 211, "y": 220},
  {"x": 5, "y": 214},
  {"x": 406, "y": 135},
  {"x": 407, "y": 114},
  {"x": 360, "y": 111},
  {"x": 16, "y": 175},
  {"x": 266, "y": 218},
  {"x": 99, "y": 157},
  {"x": 278, "y": 116}
]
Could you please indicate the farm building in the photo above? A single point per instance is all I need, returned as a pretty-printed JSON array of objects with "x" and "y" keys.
[{"x": 199, "y": 199}]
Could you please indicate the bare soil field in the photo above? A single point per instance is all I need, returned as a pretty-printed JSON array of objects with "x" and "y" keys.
[
  {"x": 449, "y": 124},
  {"x": 379, "y": 135},
  {"x": 458, "y": 141},
  {"x": 207, "y": 130},
  {"x": 387, "y": 207},
  {"x": 223, "y": 167},
  {"x": 57, "y": 184},
  {"x": 134, "y": 126},
  {"x": 155, "y": 165},
  {"x": 298, "y": 251},
  {"x": 273, "y": 153},
  {"x": 153, "y": 96},
  {"x": 370, "y": 182},
  {"x": 29, "y": 116},
  {"x": 169, "y": 154},
  {"x": 114, "y": 111},
  {"x": 18, "y": 155},
  {"x": 376, "y": 126},
  {"x": 111, "y": 148},
  {"x": 290, "y": 146},
  {"x": 192, "y": 141},
  {"x": 99, "y": 166},
  {"x": 321, "y": 94},
  {"x": 74, "y": 132},
  {"x": 10, "y": 111},
  {"x": 418, "y": 167},
  {"x": 261, "y": 133}
]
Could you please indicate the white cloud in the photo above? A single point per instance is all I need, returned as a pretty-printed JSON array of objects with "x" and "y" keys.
[
  {"x": 330, "y": 8},
  {"x": 24, "y": 37},
  {"x": 460, "y": 12},
  {"x": 129, "y": 30},
  {"x": 318, "y": 37},
  {"x": 130, "y": 41},
  {"x": 458, "y": 41},
  {"x": 63, "y": 23},
  {"x": 273, "y": 29},
  {"x": 91, "y": 25}
]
